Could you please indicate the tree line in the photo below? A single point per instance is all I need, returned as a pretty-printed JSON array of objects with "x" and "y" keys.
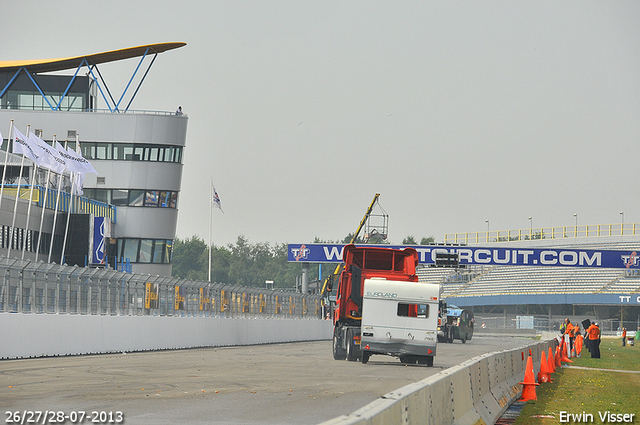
[{"x": 246, "y": 264}]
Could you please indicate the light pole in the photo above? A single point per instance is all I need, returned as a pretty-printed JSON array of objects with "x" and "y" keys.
[
  {"x": 622, "y": 225},
  {"x": 487, "y": 221},
  {"x": 530, "y": 228},
  {"x": 575, "y": 234}
]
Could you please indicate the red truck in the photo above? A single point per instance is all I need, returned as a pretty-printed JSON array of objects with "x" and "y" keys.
[{"x": 373, "y": 263}]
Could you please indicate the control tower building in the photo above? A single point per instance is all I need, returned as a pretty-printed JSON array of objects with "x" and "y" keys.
[{"x": 130, "y": 209}]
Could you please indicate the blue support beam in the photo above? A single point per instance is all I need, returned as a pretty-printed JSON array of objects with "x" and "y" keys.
[
  {"x": 68, "y": 87},
  {"x": 10, "y": 82},
  {"x": 141, "y": 81},
  {"x": 132, "y": 77},
  {"x": 39, "y": 89},
  {"x": 112, "y": 105}
]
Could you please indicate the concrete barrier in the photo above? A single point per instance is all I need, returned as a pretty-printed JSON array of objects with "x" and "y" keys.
[
  {"x": 521, "y": 333},
  {"x": 38, "y": 335},
  {"x": 475, "y": 392}
]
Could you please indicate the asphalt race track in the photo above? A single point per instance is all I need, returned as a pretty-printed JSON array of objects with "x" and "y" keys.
[{"x": 297, "y": 383}]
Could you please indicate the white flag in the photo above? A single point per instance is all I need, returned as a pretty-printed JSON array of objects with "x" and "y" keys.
[
  {"x": 21, "y": 144},
  {"x": 78, "y": 185},
  {"x": 49, "y": 157},
  {"x": 215, "y": 199},
  {"x": 75, "y": 162}
]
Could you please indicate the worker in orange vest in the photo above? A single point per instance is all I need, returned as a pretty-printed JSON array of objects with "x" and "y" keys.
[
  {"x": 594, "y": 340},
  {"x": 569, "y": 332},
  {"x": 624, "y": 337}
]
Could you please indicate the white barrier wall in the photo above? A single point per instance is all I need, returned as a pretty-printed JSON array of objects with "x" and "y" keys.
[
  {"x": 477, "y": 391},
  {"x": 36, "y": 335}
]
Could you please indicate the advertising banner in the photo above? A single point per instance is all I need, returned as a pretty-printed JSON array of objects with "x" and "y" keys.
[
  {"x": 493, "y": 256},
  {"x": 101, "y": 231},
  {"x": 151, "y": 295},
  {"x": 180, "y": 296},
  {"x": 205, "y": 299}
]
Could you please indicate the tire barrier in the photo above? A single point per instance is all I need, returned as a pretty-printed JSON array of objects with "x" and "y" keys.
[{"x": 475, "y": 392}]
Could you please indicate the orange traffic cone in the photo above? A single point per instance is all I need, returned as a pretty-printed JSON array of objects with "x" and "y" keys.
[
  {"x": 543, "y": 375},
  {"x": 551, "y": 366},
  {"x": 529, "y": 383},
  {"x": 558, "y": 363},
  {"x": 564, "y": 357}
]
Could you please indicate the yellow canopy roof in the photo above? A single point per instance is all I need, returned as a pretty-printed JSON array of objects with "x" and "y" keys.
[{"x": 51, "y": 65}]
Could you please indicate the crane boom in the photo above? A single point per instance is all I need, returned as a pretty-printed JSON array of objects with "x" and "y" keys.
[{"x": 328, "y": 283}]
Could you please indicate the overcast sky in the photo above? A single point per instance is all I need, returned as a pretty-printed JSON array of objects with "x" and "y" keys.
[{"x": 455, "y": 112}]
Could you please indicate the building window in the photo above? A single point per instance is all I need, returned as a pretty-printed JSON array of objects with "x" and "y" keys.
[
  {"x": 119, "y": 197},
  {"x": 149, "y": 251},
  {"x": 102, "y": 195},
  {"x": 136, "y": 198},
  {"x": 146, "y": 250},
  {"x": 130, "y": 249},
  {"x": 158, "y": 250},
  {"x": 131, "y": 152},
  {"x": 103, "y": 151},
  {"x": 151, "y": 198}
]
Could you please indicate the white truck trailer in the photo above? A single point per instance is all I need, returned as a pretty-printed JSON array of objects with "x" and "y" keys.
[{"x": 400, "y": 319}]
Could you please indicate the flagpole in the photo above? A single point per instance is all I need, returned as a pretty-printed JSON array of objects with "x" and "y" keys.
[
  {"x": 6, "y": 161},
  {"x": 210, "y": 220},
  {"x": 44, "y": 206},
  {"x": 66, "y": 229},
  {"x": 55, "y": 214},
  {"x": 26, "y": 227},
  {"x": 15, "y": 206}
]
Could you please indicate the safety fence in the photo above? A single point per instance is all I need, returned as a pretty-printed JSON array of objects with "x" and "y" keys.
[
  {"x": 552, "y": 324},
  {"x": 37, "y": 287},
  {"x": 585, "y": 231},
  {"x": 477, "y": 391}
]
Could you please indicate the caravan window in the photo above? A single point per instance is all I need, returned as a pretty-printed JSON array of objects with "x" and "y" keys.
[{"x": 413, "y": 310}]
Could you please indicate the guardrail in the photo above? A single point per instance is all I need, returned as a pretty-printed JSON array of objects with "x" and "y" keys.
[
  {"x": 474, "y": 392},
  {"x": 40, "y": 288},
  {"x": 586, "y": 231},
  {"x": 62, "y": 201}
]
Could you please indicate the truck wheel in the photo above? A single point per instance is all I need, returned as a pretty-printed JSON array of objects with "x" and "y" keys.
[
  {"x": 429, "y": 361},
  {"x": 338, "y": 352},
  {"x": 365, "y": 357},
  {"x": 409, "y": 359},
  {"x": 352, "y": 352}
]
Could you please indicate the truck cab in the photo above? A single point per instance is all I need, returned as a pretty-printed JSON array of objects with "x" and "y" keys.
[{"x": 458, "y": 324}]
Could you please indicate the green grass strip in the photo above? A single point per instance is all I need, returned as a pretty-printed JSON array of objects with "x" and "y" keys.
[{"x": 588, "y": 394}]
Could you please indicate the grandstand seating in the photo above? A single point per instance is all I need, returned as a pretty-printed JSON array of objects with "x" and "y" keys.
[{"x": 517, "y": 280}]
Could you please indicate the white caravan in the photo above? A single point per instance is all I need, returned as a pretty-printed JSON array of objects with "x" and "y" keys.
[{"x": 400, "y": 319}]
